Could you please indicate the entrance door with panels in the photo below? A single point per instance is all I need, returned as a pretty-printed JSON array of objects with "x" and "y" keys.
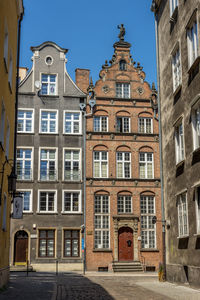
[{"x": 125, "y": 244}]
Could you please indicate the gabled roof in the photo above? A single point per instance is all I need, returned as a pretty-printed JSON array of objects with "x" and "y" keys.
[{"x": 47, "y": 44}]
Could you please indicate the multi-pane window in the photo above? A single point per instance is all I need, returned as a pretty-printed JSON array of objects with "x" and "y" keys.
[
  {"x": 122, "y": 65},
  {"x": 100, "y": 123},
  {"x": 47, "y": 201},
  {"x": 146, "y": 165},
  {"x": 173, "y": 5},
  {"x": 71, "y": 243},
  {"x": 101, "y": 221},
  {"x": 48, "y": 121},
  {"x": 198, "y": 208},
  {"x": 48, "y": 164},
  {"x": 176, "y": 69},
  {"x": 192, "y": 38},
  {"x": 46, "y": 243},
  {"x": 124, "y": 204},
  {"x": 123, "y": 164},
  {"x": 145, "y": 125},
  {"x": 122, "y": 90},
  {"x": 24, "y": 164},
  {"x": 100, "y": 164},
  {"x": 71, "y": 201},
  {"x": 183, "y": 228},
  {"x": 148, "y": 229},
  {"x": 25, "y": 121},
  {"x": 48, "y": 84},
  {"x": 196, "y": 127},
  {"x": 72, "y": 122},
  {"x": 72, "y": 165},
  {"x": 179, "y": 142},
  {"x": 27, "y": 200},
  {"x": 123, "y": 124}
]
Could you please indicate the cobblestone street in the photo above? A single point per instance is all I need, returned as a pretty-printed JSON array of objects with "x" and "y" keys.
[{"x": 93, "y": 286}]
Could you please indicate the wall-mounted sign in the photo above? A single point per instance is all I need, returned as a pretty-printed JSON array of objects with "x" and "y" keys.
[{"x": 17, "y": 208}]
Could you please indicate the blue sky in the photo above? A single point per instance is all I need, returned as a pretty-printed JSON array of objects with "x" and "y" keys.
[{"x": 88, "y": 28}]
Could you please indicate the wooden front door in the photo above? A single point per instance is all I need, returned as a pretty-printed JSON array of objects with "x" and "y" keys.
[
  {"x": 21, "y": 247},
  {"x": 125, "y": 244}
]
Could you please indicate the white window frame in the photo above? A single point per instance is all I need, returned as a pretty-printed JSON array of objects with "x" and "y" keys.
[
  {"x": 149, "y": 216},
  {"x": 100, "y": 124},
  {"x": 102, "y": 229},
  {"x": 197, "y": 201},
  {"x": 25, "y": 119},
  {"x": 56, "y": 164},
  {"x": 124, "y": 204},
  {"x": 176, "y": 68},
  {"x": 48, "y": 121},
  {"x": 30, "y": 200},
  {"x": 184, "y": 213},
  {"x": 79, "y": 202},
  {"x": 100, "y": 161},
  {"x": 192, "y": 42},
  {"x": 3, "y": 115},
  {"x": 80, "y": 122},
  {"x": 48, "y": 84},
  {"x": 196, "y": 124},
  {"x": 145, "y": 162},
  {"x": 121, "y": 85},
  {"x": 173, "y": 5},
  {"x": 80, "y": 163},
  {"x": 31, "y": 160},
  {"x": 55, "y": 202},
  {"x": 179, "y": 142},
  {"x": 123, "y": 162},
  {"x": 123, "y": 124},
  {"x": 145, "y": 125},
  {"x": 10, "y": 71}
]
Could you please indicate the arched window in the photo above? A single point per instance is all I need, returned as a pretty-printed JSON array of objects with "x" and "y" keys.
[
  {"x": 100, "y": 162},
  {"x": 124, "y": 202},
  {"x": 123, "y": 158},
  {"x": 122, "y": 65}
]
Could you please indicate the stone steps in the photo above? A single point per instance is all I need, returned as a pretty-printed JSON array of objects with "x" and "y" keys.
[
  {"x": 21, "y": 269},
  {"x": 127, "y": 267}
]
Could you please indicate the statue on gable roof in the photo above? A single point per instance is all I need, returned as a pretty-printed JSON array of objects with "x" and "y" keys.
[{"x": 122, "y": 32}]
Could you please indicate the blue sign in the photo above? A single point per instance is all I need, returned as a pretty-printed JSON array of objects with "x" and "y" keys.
[{"x": 82, "y": 243}]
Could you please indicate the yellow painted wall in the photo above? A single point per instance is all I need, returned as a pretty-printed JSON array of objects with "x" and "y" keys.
[{"x": 9, "y": 11}]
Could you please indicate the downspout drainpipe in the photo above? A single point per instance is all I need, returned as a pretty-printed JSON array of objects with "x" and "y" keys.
[
  {"x": 17, "y": 89},
  {"x": 160, "y": 147}
]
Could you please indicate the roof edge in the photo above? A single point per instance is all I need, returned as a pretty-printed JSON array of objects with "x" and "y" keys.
[{"x": 46, "y": 44}]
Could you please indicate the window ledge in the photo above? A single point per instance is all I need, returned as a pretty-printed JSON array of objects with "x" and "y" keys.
[
  {"x": 47, "y": 213},
  {"x": 183, "y": 237},
  {"x": 23, "y": 180},
  {"x": 68, "y": 134},
  {"x": 71, "y": 213},
  {"x": 72, "y": 181},
  {"x": 197, "y": 234},
  {"x": 31, "y": 133},
  {"x": 177, "y": 90},
  {"x": 194, "y": 64},
  {"x": 48, "y": 133},
  {"x": 180, "y": 163},
  {"x": 196, "y": 150},
  {"x": 149, "y": 250},
  {"x": 102, "y": 250},
  {"x": 51, "y": 181},
  {"x": 27, "y": 212},
  {"x": 49, "y": 96}
]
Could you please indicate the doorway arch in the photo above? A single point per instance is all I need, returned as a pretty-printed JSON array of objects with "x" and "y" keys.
[
  {"x": 125, "y": 244},
  {"x": 21, "y": 247}
]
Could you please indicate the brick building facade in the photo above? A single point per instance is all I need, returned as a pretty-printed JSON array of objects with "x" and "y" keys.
[{"x": 122, "y": 167}]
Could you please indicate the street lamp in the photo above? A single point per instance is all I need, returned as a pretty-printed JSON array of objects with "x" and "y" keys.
[{"x": 92, "y": 103}]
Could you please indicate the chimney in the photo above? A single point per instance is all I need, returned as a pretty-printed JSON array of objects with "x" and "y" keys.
[{"x": 82, "y": 79}]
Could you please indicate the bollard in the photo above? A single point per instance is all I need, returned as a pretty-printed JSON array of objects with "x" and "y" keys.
[{"x": 56, "y": 267}]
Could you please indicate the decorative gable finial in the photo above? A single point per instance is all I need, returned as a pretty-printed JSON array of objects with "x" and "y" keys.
[{"x": 122, "y": 32}]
